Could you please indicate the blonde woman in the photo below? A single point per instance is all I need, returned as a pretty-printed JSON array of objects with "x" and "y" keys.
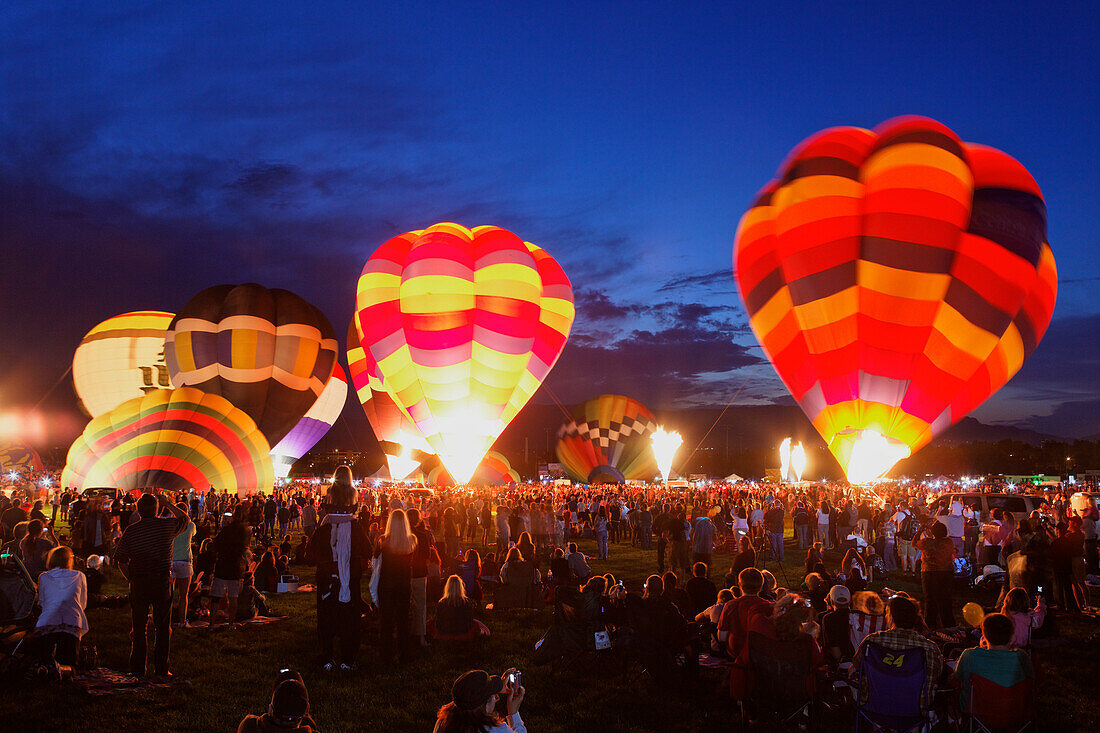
[
  {"x": 395, "y": 586},
  {"x": 454, "y": 615}
]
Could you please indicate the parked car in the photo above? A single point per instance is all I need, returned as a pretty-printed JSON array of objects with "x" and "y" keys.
[{"x": 1021, "y": 505}]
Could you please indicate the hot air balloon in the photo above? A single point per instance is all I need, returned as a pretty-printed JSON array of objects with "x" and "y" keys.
[
  {"x": 463, "y": 325},
  {"x": 388, "y": 421},
  {"x": 269, "y": 352},
  {"x": 171, "y": 439},
  {"x": 494, "y": 470},
  {"x": 17, "y": 457},
  {"x": 896, "y": 278},
  {"x": 314, "y": 424},
  {"x": 608, "y": 441},
  {"x": 120, "y": 359}
]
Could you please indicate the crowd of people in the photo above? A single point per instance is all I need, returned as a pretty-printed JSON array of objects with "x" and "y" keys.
[{"x": 433, "y": 564}]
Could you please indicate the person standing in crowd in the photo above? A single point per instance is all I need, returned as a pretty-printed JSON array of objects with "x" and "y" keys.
[
  {"x": 802, "y": 520},
  {"x": 773, "y": 523},
  {"x": 36, "y": 546},
  {"x": 823, "y": 513},
  {"x": 309, "y": 517},
  {"x": 503, "y": 534},
  {"x": 339, "y": 548},
  {"x": 97, "y": 528},
  {"x": 396, "y": 550},
  {"x": 418, "y": 619},
  {"x": 233, "y": 558},
  {"x": 144, "y": 554},
  {"x": 703, "y": 536},
  {"x": 183, "y": 564}
]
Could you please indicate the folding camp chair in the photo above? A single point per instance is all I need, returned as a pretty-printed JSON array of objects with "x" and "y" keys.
[
  {"x": 993, "y": 708},
  {"x": 780, "y": 670},
  {"x": 889, "y": 688}
]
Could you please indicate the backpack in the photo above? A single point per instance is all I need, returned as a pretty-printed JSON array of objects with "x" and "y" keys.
[{"x": 908, "y": 528}]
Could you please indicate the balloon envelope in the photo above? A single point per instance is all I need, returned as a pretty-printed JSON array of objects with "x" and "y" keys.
[
  {"x": 269, "y": 352},
  {"x": 16, "y": 456},
  {"x": 608, "y": 440},
  {"x": 171, "y": 439},
  {"x": 317, "y": 421},
  {"x": 463, "y": 325},
  {"x": 120, "y": 359},
  {"x": 896, "y": 278}
]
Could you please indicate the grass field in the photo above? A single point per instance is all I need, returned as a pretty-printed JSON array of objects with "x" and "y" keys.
[{"x": 231, "y": 674}]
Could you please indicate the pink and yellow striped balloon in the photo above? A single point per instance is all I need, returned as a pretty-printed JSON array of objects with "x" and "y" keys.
[{"x": 463, "y": 325}]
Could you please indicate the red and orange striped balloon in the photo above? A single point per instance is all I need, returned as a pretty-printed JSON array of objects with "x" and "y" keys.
[
  {"x": 463, "y": 324},
  {"x": 896, "y": 278}
]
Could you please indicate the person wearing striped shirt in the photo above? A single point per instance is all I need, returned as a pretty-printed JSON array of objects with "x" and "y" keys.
[{"x": 144, "y": 554}]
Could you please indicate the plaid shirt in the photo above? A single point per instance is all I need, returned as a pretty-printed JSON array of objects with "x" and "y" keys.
[{"x": 899, "y": 639}]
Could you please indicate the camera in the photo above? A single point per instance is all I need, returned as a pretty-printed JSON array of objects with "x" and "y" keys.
[{"x": 513, "y": 679}]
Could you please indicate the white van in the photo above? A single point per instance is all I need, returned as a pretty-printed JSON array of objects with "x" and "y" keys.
[{"x": 1021, "y": 505}]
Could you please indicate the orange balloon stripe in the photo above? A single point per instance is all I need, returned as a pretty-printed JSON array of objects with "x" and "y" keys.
[{"x": 896, "y": 270}]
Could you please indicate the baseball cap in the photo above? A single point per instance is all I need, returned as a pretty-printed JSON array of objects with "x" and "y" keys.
[
  {"x": 474, "y": 688},
  {"x": 840, "y": 595}
]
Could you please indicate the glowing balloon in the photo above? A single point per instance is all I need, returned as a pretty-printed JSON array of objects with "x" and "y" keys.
[
  {"x": 608, "y": 441},
  {"x": 388, "y": 421},
  {"x": 17, "y": 457},
  {"x": 896, "y": 279},
  {"x": 494, "y": 470},
  {"x": 268, "y": 352},
  {"x": 314, "y": 424},
  {"x": 171, "y": 439},
  {"x": 463, "y": 325},
  {"x": 120, "y": 359},
  {"x": 974, "y": 614}
]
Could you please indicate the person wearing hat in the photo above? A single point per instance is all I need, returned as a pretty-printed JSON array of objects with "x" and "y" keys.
[
  {"x": 288, "y": 710},
  {"x": 835, "y": 639},
  {"x": 339, "y": 548},
  {"x": 474, "y": 698}
]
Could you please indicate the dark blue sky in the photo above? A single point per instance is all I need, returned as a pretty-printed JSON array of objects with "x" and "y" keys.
[{"x": 150, "y": 150}]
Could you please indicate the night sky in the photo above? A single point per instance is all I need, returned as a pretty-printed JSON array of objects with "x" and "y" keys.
[{"x": 148, "y": 151}]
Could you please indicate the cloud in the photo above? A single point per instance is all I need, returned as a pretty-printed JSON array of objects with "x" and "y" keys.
[{"x": 710, "y": 279}]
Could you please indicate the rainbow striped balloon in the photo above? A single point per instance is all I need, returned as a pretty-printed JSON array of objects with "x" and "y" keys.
[
  {"x": 896, "y": 278},
  {"x": 608, "y": 441},
  {"x": 171, "y": 439},
  {"x": 463, "y": 324}
]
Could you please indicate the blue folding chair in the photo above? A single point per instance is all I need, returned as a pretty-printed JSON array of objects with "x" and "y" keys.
[{"x": 890, "y": 685}]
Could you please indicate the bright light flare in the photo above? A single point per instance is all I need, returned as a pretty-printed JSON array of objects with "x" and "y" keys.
[
  {"x": 798, "y": 461},
  {"x": 402, "y": 464},
  {"x": 665, "y": 445},
  {"x": 873, "y": 455},
  {"x": 785, "y": 458}
]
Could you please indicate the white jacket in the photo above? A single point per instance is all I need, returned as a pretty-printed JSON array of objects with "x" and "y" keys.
[{"x": 63, "y": 595}]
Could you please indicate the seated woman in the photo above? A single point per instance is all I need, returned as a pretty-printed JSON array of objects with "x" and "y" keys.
[
  {"x": 1017, "y": 607},
  {"x": 63, "y": 594},
  {"x": 519, "y": 580},
  {"x": 745, "y": 558},
  {"x": 454, "y": 615},
  {"x": 469, "y": 569},
  {"x": 265, "y": 575},
  {"x": 560, "y": 574}
]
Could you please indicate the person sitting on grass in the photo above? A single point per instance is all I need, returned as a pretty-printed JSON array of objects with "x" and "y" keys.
[
  {"x": 265, "y": 575},
  {"x": 474, "y": 698},
  {"x": 578, "y": 564},
  {"x": 658, "y": 628},
  {"x": 454, "y": 615},
  {"x": 835, "y": 635},
  {"x": 676, "y": 595},
  {"x": 287, "y": 711},
  {"x": 1017, "y": 607},
  {"x": 469, "y": 569},
  {"x": 710, "y": 617},
  {"x": 700, "y": 590},
  {"x": 745, "y": 558},
  {"x": 995, "y": 659},
  {"x": 63, "y": 594}
]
